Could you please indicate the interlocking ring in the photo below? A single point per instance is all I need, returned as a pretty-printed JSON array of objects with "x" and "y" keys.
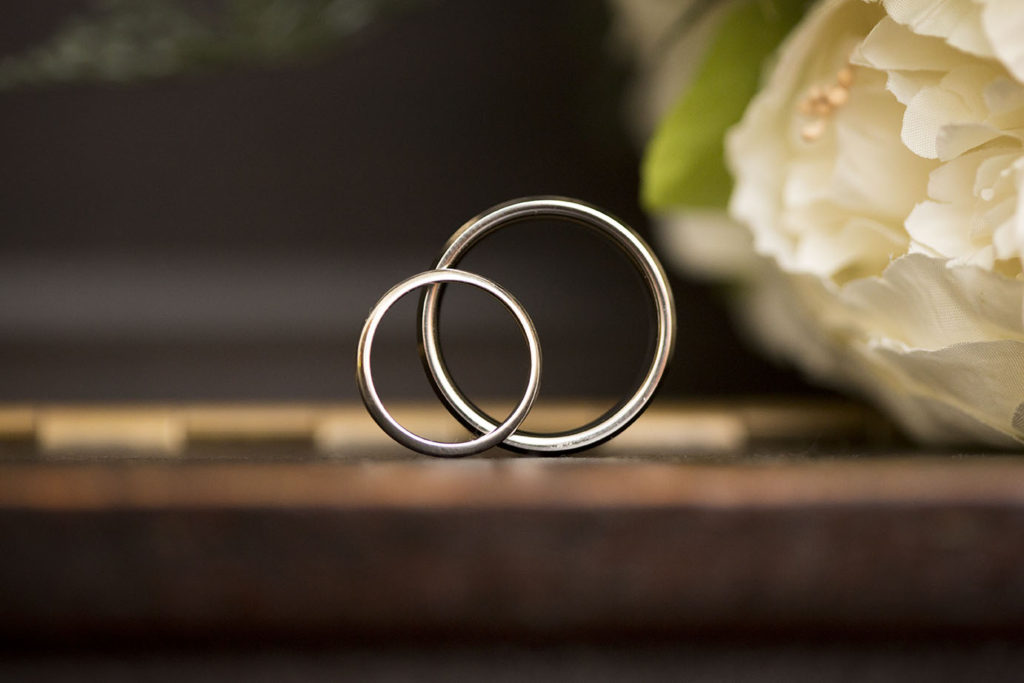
[
  {"x": 364, "y": 373},
  {"x": 616, "y": 419}
]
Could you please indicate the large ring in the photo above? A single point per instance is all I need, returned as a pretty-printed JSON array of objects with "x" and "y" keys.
[
  {"x": 494, "y": 434},
  {"x": 620, "y": 416}
]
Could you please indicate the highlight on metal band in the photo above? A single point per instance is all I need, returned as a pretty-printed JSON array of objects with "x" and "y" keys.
[
  {"x": 368, "y": 390},
  {"x": 623, "y": 237}
]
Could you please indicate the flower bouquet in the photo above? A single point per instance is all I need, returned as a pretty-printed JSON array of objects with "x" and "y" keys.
[{"x": 865, "y": 198}]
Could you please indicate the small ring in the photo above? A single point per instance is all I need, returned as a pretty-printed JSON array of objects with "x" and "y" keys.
[
  {"x": 494, "y": 434},
  {"x": 616, "y": 419}
]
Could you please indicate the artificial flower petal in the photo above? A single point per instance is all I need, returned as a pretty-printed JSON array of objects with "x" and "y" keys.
[
  {"x": 891, "y": 46},
  {"x": 958, "y": 22},
  {"x": 1004, "y": 23}
]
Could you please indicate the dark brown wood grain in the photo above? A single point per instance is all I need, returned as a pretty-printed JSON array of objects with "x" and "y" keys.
[{"x": 535, "y": 548}]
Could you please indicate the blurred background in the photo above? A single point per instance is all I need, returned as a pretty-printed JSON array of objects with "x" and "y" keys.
[
  {"x": 218, "y": 229},
  {"x": 220, "y": 234}
]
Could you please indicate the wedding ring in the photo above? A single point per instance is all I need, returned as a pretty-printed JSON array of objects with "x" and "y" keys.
[
  {"x": 492, "y": 435},
  {"x": 620, "y": 416}
]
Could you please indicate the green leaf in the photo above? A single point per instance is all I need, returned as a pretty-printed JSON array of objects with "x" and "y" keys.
[{"x": 684, "y": 164}]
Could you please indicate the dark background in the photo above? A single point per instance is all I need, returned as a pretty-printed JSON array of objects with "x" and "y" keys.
[{"x": 223, "y": 235}]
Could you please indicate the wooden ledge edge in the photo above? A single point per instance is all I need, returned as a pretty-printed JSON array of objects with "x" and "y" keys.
[{"x": 511, "y": 483}]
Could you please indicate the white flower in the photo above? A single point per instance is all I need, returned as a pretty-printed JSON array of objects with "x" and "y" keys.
[{"x": 878, "y": 172}]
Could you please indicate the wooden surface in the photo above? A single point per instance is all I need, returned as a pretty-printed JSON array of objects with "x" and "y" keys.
[{"x": 282, "y": 538}]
